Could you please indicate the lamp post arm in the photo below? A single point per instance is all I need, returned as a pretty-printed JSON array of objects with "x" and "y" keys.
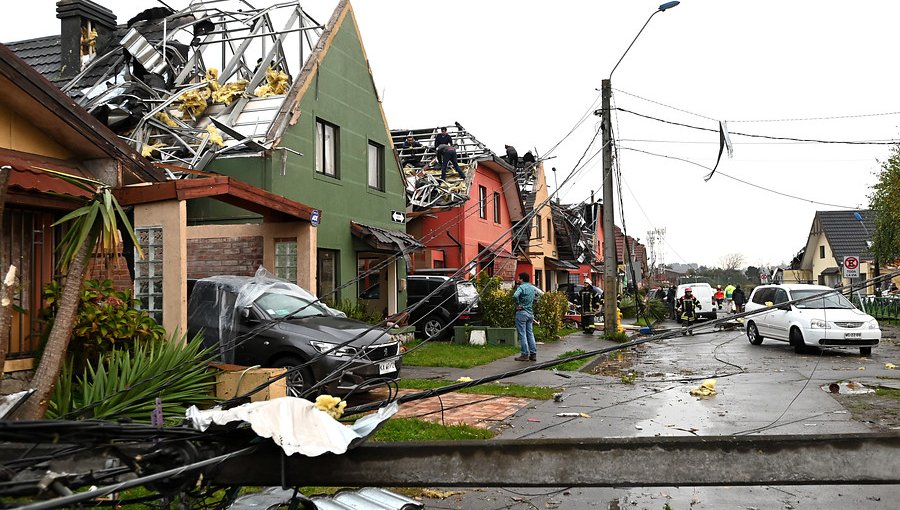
[{"x": 632, "y": 42}]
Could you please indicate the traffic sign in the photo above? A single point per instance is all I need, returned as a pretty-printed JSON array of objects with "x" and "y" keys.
[
  {"x": 398, "y": 217},
  {"x": 314, "y": 218},
  {"x": 851, "y": 267}
]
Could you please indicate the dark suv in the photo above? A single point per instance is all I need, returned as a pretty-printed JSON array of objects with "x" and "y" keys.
[{"x": 449, "y": 306}]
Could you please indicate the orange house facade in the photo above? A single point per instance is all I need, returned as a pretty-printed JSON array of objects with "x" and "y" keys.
[{"x": 479, "y": 231}]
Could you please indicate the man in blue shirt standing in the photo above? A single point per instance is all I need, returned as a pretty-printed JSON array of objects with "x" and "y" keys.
[{"x": 524, "y": 298}]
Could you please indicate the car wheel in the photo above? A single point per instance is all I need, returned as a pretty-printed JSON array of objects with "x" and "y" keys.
[
  {"x": 796, "y": 339},
  {"x": 753, "y": 334},
  {"x": 299, "y": 380},
  {"x": 865, "y": 351},
  {"x": 432, "y": 327}
]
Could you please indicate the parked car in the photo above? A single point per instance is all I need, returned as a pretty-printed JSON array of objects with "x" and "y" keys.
[
  {"x": 572, "y": 290},
  {"x": 246, "y": 319},
  {"x": 704, "y": 293},
  {"x": 830, "y": 320},
  {"x": 455, "y": 304},
  {"x": 659, "y": 294}
]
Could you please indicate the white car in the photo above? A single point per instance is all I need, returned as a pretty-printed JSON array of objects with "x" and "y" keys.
[{"x": 828, "y": 320}]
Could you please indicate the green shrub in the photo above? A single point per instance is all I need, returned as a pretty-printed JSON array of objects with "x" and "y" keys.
[
  {"x": 356, "y": 310},
  {"x": 656, "y": 309},
  {"x": 628, "y": 307},
  {"x": 498, "y": 307},
  {"x": 549, "y": 311},
  {"x": 106, "y": 319},
  {"x": 126, "y": 383}
]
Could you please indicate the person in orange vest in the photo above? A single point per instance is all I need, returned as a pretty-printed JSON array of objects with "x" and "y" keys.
[{"x": 720, "y": 296}]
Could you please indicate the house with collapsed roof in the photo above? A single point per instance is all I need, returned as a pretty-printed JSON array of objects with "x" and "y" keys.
[
  {"x": 464, "y": 223},
  {"x": 268, "y": 98},
  {"x": 41, "y": 129},
  {"x": 579, "y": 240}
]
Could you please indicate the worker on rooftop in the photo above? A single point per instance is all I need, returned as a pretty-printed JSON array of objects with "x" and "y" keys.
[
  {"x": 412, "y": 152},
  {"x": 512, "y": 156}
]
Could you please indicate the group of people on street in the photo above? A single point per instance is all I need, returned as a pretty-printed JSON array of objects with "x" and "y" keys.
[{"x": 732, "y": 298}]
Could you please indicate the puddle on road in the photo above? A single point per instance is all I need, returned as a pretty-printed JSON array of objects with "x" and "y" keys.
[{"x": 678, "y": 414}]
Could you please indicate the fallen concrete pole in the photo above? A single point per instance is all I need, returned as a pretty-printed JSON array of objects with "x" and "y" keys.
[{"x": 608, "y": 462}]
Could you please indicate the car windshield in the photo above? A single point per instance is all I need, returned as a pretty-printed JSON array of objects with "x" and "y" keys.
[
  {"x": 277, "y": 306},
  {"x": 466, "y": 292},
  {"x": 830, "y": 300}
]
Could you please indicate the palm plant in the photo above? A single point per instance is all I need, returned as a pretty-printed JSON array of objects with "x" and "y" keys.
[{"x": 92, "y": 227}]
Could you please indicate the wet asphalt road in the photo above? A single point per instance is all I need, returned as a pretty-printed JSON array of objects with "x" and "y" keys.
[{"x": 766, "y": 389}]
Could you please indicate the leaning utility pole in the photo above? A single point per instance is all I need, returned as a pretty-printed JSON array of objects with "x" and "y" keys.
[{"x": 610, "y": 265}]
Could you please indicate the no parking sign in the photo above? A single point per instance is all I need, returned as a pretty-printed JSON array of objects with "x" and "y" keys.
[{"x": 851, "y": 267}]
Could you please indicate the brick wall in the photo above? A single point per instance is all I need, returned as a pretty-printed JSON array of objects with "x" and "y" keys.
[
  {"x": 120, "y": 275},
  {"x": 239, "y": 256}
]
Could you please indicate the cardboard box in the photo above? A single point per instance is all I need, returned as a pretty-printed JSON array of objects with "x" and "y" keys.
[{"x": 235, "y": 380}]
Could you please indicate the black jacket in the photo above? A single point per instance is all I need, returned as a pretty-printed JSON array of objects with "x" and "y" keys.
[{"x": 737, "y": 295}]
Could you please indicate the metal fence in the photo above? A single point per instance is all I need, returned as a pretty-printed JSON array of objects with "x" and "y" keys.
[{"x": 879, "y": 307}]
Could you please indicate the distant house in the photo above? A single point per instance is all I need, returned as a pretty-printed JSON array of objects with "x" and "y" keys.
[
  {"x": 462, "y": 220},
  {"x": 637, "y": 254},
  {"x": 833, "y": 236}
]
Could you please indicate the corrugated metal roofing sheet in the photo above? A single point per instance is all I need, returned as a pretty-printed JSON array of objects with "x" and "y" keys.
[{"x": 367, "y": 498}]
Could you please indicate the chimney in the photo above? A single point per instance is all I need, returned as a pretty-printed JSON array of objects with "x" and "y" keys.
[{"x": 79, "y": 19}]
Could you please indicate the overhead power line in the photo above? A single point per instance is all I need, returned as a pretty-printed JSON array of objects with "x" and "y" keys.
[
  {"x": 792, "y": 119},
  {"x": 788, "y": 195},
  {"x": 768, "y": 137}
]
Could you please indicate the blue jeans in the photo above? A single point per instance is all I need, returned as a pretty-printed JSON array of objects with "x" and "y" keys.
[{"x": 525, "y": 329}]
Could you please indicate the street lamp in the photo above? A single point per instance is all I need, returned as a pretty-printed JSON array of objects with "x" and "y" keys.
[{"x": 610, "y": 284}]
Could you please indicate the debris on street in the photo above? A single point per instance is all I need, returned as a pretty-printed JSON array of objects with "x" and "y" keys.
[
  {"x": 847, "y": 388},
  {"x": 706, "y": 389}
]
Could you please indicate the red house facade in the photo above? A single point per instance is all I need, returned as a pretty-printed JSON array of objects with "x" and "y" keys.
[{"x": 479, "y": 229}]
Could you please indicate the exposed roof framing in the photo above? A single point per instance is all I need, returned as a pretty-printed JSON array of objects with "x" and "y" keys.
[
  {"x": 424, "y": 188},
  {"x": 186, "y": 86}
]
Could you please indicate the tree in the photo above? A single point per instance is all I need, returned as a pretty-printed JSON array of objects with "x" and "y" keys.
[
  {"x": 885, "y": 204},
  {"x": 731, "y": 261},
  {"x": 752, "y": 273},
  {"x": 94, "y": 226}
]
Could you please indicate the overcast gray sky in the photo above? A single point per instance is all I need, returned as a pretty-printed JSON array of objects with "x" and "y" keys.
[{"x": 523, "y": 72}]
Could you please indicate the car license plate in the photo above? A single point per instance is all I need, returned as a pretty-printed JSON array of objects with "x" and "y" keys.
[
  {"x": 852, "y": 335},
  {"x": 387, "y": 366}
]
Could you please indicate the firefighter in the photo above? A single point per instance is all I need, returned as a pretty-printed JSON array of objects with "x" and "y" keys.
[
  {"x": 687, "y": 306},
  {"x": 589, "y": 300}
]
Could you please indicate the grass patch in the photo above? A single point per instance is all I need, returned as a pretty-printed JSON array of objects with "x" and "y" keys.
[
  {"x": 570, "y": 365},
  {"x": 887, "y": 392},
  {"x": 504, "y": 390},
  {"x": 444, "y": 354},
  {"x": 412, "y": 429}
]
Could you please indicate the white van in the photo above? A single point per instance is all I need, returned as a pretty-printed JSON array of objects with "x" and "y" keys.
[{"x": 704, "y": 293}]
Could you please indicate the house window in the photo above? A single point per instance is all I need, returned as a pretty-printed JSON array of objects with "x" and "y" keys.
[
  {"x": 496, "y": 207},
  {"x": 537, "y": 227},
  {"x": 539, "y": 278},
  {"x": 482, "y": 202},
  {"x": 286, "y": 259},
  {"x": 376, "y": 166},
  {"x": 368, "y": 275},
  {"x": 821, "y": 252},
  {"x": 548, "y": 229},
  {"x": 148, "y": 273},
  {"x": 328, "y": 275},
  {"x": 326, "y": 148}
]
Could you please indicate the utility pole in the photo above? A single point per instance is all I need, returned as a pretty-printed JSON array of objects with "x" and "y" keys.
[{"x": 610, "y": 265}]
